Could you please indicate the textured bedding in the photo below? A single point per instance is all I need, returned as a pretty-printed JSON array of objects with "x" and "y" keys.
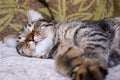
[{"x": 16, "y": 67}]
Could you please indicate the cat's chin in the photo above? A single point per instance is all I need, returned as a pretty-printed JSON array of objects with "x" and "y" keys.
[{"x": 43, "y": 47}]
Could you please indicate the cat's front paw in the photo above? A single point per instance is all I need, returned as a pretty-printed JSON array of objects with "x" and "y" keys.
[{"x": 90, "y": 70}]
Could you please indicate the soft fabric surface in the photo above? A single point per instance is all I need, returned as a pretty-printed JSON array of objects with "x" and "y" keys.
[
  {"x": 16, "y": 67},
  {"x": 81, "y": 9}
]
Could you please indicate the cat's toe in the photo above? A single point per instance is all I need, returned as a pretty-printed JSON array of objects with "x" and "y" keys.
[{"x": 90, "y": 71}]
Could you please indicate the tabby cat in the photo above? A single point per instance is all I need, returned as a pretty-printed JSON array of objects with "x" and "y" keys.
[{"x": 81, "y": 49}]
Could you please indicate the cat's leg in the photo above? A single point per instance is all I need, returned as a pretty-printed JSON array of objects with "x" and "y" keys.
[{"x": 70, "y": 61}]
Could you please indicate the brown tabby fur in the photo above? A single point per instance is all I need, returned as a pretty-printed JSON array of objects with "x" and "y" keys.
[{"x": 81, "y": 49}]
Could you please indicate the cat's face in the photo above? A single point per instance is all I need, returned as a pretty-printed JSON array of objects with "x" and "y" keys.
[
  {"x": 42, "y": 30},
  {"x": 37, "y": 27},
  {"x": 36, "y": 31},
  {"x": 37, "y": 36}
]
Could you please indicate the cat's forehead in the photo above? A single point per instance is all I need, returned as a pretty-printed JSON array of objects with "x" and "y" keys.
[{"x": 41, "y": 22}]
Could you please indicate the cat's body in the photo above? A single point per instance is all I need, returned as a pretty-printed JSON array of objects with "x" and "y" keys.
[{"x": 80, "y": 48}]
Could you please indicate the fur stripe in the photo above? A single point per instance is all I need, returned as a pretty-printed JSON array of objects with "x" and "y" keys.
[
  {"x": 96, "y": 45},
  {"x": 97, "y": 33}
]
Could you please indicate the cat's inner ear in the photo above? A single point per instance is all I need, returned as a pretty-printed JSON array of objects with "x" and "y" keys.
[{"x": 34, "y": 15}]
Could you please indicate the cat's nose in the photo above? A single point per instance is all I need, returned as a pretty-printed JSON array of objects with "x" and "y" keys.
[{"x": 30, "y": 37}]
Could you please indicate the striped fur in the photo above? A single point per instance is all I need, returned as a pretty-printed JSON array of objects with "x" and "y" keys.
[{"x": 81, "y": 49}]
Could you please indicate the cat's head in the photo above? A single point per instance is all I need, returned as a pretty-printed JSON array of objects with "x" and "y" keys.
[{"x": 38, "y": 27}]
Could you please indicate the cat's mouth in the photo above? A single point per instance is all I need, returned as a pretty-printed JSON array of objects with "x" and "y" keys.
[{"x": 35, "y": 40}]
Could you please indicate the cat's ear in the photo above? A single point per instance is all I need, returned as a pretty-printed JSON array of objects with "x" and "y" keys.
[{"x": 33, "y": 15}]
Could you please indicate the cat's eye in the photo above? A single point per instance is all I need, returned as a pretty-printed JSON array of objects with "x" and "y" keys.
[
  {"x": 42, "y": 27},
  {"x": 44, "y": 24}
]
